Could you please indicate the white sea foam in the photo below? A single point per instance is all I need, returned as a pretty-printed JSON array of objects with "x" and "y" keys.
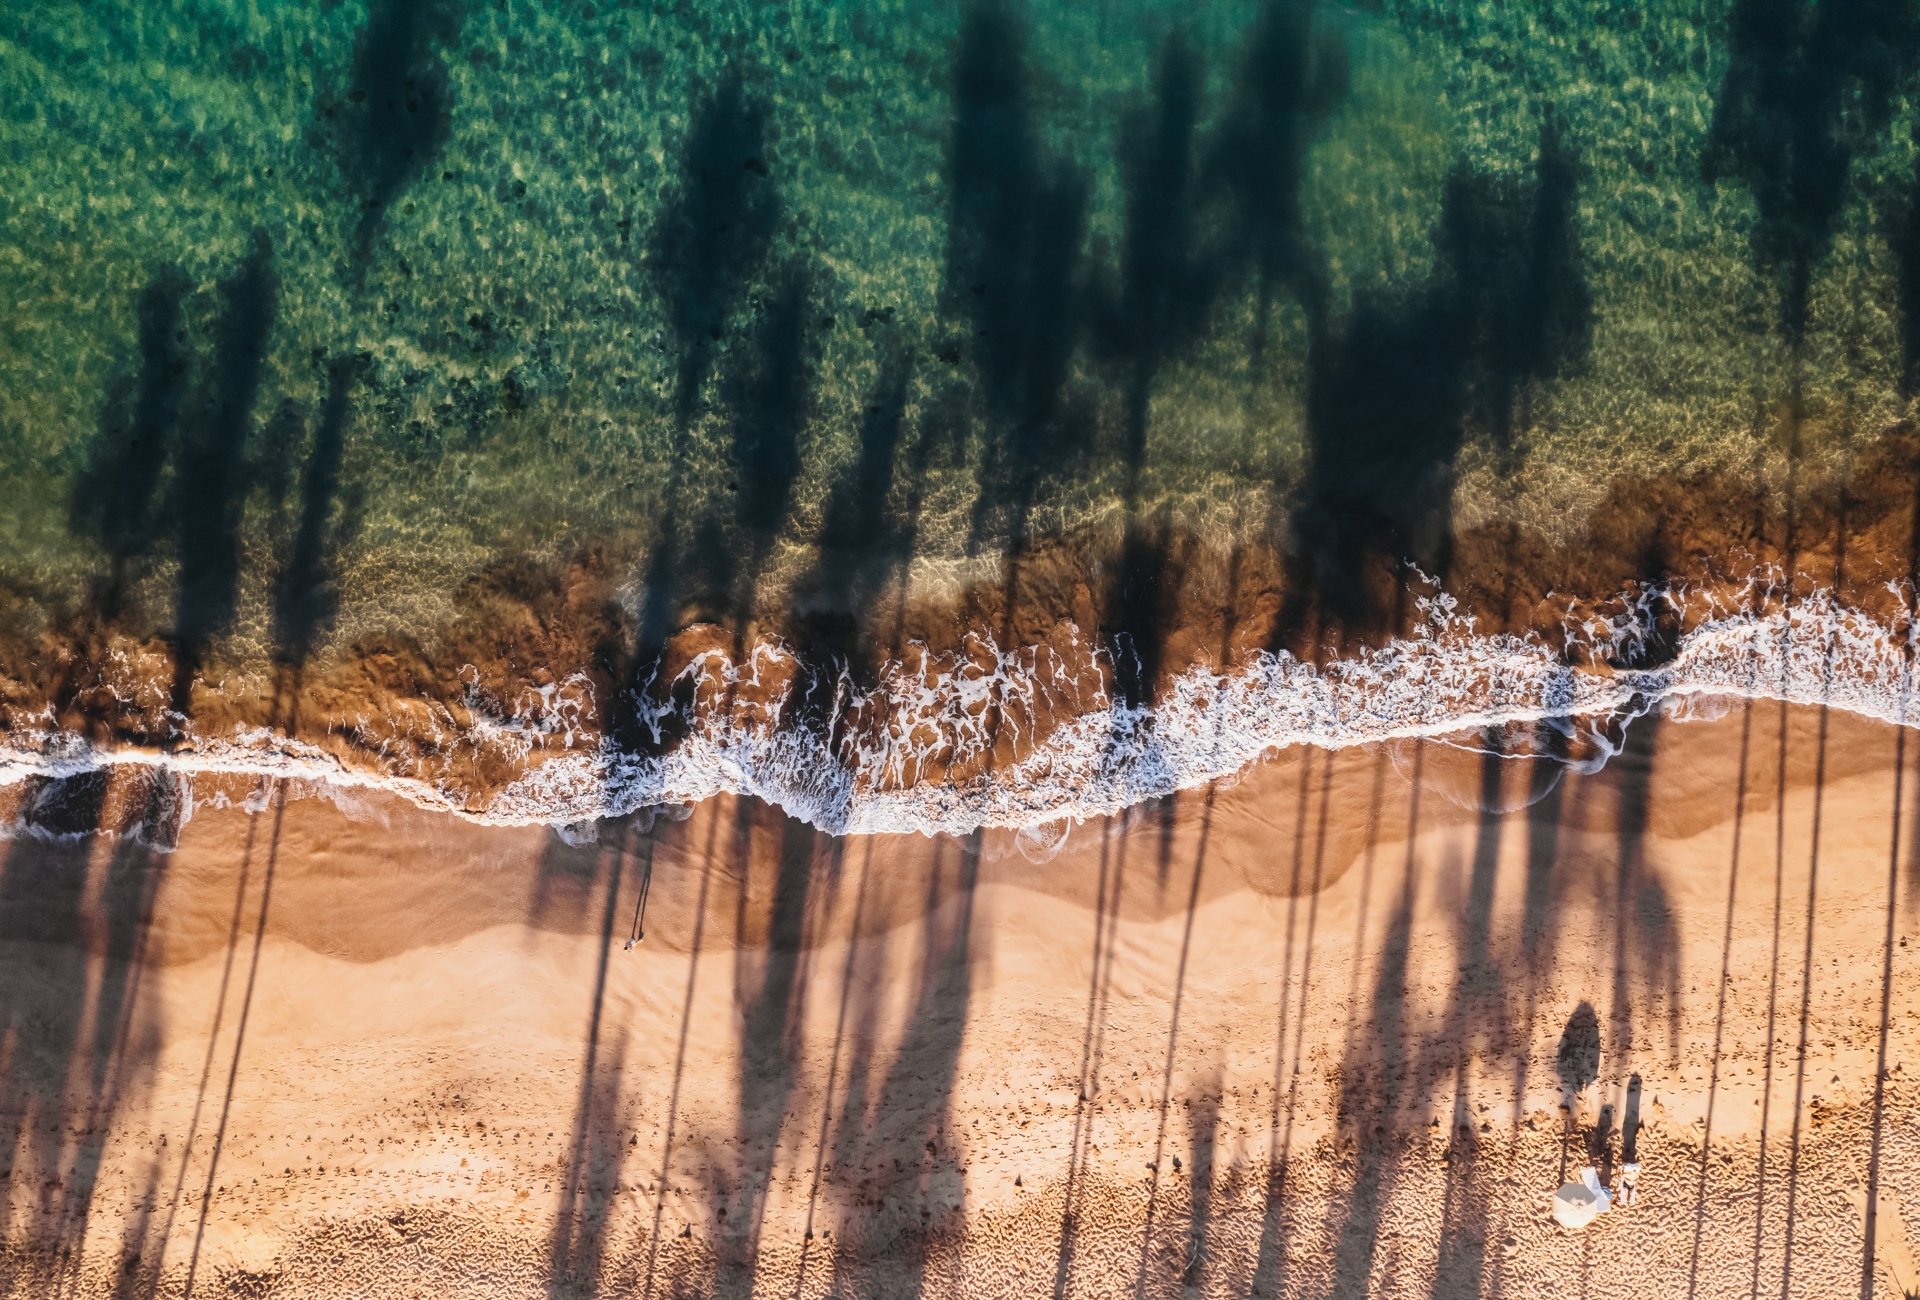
[{"x": 950, "y": 745}]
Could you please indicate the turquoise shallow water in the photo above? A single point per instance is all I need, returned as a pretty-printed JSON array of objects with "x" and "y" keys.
[{"x": 348, "y": 339}]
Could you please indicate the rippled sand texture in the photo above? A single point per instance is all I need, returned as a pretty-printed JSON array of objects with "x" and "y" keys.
[{"x": 1307, "y": 1035}]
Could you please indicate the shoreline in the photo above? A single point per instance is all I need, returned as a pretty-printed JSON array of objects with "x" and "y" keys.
[
  {"x": 1046, "y": 737},
  {"x": 1291, "y": 983}
]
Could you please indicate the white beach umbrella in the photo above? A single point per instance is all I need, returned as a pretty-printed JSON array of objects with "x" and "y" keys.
[{"x": 1580, "y": 1203}]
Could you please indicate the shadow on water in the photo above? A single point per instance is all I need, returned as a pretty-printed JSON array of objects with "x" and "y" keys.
[
  {"x": 180, "y": 466},
  {"x": 769, "y": 396},
  {"x": 398, "y": 109},
  {"x": 1902, "y": 223},
  {"x": 1395, "y": 389},
  {"x": 1168, "y": 276},
  {"x": 1158, "y": 309},
  {"x": 1016, "y": 222},
  {"x": 707, "y": 249},
  {"x": 117, "y": 499},
  {"x": 864, "y": 543},
  {"x": 1808, "y": 88},
  {"x": 306, "y": 596},
  {"x": 211, "y": 476},
  {"x": 715, "y": 230},
  {"x": 1293, "y": 74},
  {"x": 171, "y": 462}
]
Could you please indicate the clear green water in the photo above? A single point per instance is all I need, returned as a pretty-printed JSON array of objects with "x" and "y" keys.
[{"x": 434, "y": 290}]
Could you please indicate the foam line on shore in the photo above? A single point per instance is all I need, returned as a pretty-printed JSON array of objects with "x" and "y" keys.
[{"x": 852, "y": 760}]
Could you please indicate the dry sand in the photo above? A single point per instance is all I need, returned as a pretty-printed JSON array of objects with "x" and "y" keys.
[{"x": 1311, "y": 1034}]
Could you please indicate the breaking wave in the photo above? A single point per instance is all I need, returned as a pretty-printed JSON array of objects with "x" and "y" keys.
[{"x": 1032, "y": 737}]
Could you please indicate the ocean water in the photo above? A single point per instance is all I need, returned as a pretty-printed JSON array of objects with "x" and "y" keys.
[{"x": 938, "y": 415}]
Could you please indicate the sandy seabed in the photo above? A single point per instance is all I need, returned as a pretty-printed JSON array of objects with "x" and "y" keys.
[{"x": 1339, "y": 1028}]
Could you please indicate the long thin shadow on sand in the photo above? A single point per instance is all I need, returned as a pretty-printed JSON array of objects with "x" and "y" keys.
[
  {"x": 848, "y": 973},
  {"x": 1093, "y": 1041},
  {"x": 1269, "y": 1262},
  {"x": 594, "y": 1151},
  {"x": 667, "y": 1147},
  {"x": 1720, "y": 1002},
  {"x": 1374, "y": 1076},
  {"x": 1644, "y": 941},
  {"x": 1465, "y": 1197},
  {"x": 774, "y": 986},
  {"x": 1806, "y": 956},
  {"x": 893, "y": 1128},
  {"x": 1791, "y": 547},
  {"x": 1173, "y": 1028},
  {"x": 211, "y": 1183},
  {"x": 1877, "y": 1120},
  {"x": 1194, "y": 1264},
  {"x": 73, "y": 1036},
  {"x": 231, "y": 955}
]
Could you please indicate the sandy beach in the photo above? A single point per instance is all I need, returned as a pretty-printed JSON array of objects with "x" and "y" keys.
[{"x": 1341, "y": 1027}]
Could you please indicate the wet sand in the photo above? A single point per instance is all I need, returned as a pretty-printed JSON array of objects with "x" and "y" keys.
[{"x": 1315, "y": 1033}]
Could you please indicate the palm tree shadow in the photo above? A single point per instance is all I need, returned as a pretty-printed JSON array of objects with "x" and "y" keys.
[
  {"x": 1395, "y": 390},
  {"x": 1807, "y": 89},
  {"x": 397, "y": 110}
]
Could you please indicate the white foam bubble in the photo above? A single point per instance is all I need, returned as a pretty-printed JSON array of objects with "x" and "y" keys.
[{"x": 950, "y": 745}]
